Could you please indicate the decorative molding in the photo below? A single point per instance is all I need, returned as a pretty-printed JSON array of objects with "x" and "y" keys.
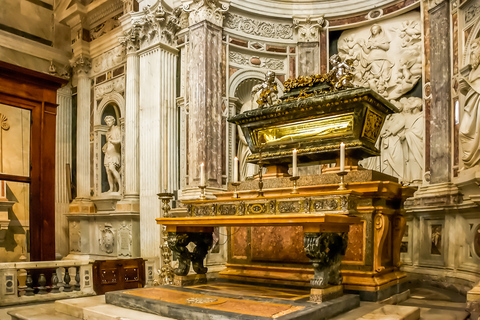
[
  {"x": 117, "y": 85},
  {"x": 255, "y": 61},
  {"x": 471, "y": 12},
  {"x": 107, "y": 238},
  {"x": 259, "y": 27},
  {"x": 105, "y": 27},
  {"x": 3, "y": 122},
  {"x": 308, "y": 28},
  {"x": 108, "y": 60},
  {"x": 106, "y": 11},
  {"x": 206, "y": 10},
  {"x": 75, "y": 237},
  {"x": 125, "y": 240}
]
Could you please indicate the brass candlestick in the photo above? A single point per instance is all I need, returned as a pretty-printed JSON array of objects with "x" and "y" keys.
[
  {"x": 341, "y": 185},
  {"x": 166, "y": 272},
  {"x": 165, "y": 197},
  {"x": 235, "y": 193},
  {"x": 202, "y": 192},
  {"x": 294, "y": 179},
  {"x": 260, "y": 175}
]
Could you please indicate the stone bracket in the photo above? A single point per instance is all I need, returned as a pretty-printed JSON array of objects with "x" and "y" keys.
[
  {"x": 325, "y": 251},
  {"x": 178, "y": 242}
]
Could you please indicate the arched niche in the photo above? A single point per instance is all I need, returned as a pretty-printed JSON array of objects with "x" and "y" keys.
[
  {"x": 113, "y": 105},
  {"x": 240, "y": 89}
]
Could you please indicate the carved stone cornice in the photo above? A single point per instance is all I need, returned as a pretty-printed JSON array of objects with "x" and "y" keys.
[
  {"x": 206, "y": 10},
  {"x": 308, "y": 28},
  {"x": 155, "y": 24},
  {"x": 82, "y": 64}
]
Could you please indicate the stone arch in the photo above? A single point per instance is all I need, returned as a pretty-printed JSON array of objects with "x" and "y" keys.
[
  {"x": 114, "y": 97},
  {"x": 243, "y": 75}
]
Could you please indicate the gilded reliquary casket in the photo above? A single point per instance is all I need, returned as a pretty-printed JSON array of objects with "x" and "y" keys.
[{"x": 315, "y": 122}]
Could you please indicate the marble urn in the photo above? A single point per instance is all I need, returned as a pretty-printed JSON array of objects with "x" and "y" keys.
[{"x": 315, "y": 122}]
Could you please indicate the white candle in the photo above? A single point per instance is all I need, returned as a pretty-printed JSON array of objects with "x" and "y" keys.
[
  {"x": 342, "y": 157},
  {"x": 235, "y": 169},
  {"x": 294, "y": 163},
  {"x": 202, "y": 174}
]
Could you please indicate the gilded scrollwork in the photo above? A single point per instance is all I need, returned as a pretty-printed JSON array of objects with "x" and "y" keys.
[
  {"x": 289, "y": 206},
  {"x": 373, "y": 125},
  {"x": 227, "y": 209},
  {"x": 256, "y": 208}
]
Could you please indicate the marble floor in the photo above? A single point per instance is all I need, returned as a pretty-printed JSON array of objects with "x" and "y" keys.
[{"x": 435, "y": 304}]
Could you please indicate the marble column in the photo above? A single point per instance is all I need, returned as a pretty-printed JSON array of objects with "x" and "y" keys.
[
  {"x": 132, "y": 151},
  {"x": 205, "y": 78},
  {"x": 441, "y": 121},
  {"x": 82, "y": 203},
  {"x": 63, "y": 156}
]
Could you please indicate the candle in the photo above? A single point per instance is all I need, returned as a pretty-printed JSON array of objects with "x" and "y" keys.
[
  {"x": 202, "y": 174},
  {"x": 294, "y": 163},
  {"x": 235, "y": 169},
  {"x": 342, "y": 157}
]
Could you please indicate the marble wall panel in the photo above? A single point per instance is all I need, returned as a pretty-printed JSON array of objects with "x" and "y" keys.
[
  {"x": 277, "y": 244},
  {"x": 441, "y": 119}
]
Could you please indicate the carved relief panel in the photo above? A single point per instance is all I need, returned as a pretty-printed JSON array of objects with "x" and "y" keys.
[{"x": 387, "y": 56}]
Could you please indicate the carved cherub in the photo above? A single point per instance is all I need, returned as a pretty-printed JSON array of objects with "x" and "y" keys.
[
  {"x": 267, "y": 91},
  {"x": 342, "y": 72}
]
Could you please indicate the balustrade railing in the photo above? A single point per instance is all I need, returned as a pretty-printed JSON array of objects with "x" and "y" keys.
[{"x": 25, "y": 282}]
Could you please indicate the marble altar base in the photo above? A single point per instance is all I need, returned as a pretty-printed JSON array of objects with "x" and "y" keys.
[
  {"x": 222, "y": 300},
  {"x": 189, "y": 280}
]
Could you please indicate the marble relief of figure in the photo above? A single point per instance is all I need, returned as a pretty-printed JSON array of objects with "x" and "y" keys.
[
  {"x": 392, "y": 149},
  {"x": 469, "y": 132},
  {"x": 375, "y": 60},
  {"x": 414, "y": 146},
  {"x": 112, "y": 149},
  {"x": 401, "y": 143}
]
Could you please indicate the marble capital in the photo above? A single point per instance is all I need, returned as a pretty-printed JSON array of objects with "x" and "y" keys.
[
  {"x": 153, "y": 24},
  {"x": 206, "y": 10},
  {"x": 82, "y": 64},
  {"x": 308, "y": 28}
]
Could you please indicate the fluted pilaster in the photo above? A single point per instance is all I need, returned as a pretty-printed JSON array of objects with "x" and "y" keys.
[
  {"x": 157, "y": 111},
  {"x": 63, "y": 156},
  {"x": 82, "y": 68},
  {"x": 132, "y": 172}
]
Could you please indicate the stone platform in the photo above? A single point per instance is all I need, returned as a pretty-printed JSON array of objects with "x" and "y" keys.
[{"x": 224, "y": 300}]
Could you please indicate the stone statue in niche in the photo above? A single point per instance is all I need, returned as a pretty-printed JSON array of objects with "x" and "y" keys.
[
  {"x": 401, "y": 143},
  {"x": 469, "y": 132},
  {"x": 387, "y": 57},
  {"x": 267, "y": 91},
  {"x": 436, "y": 247},
  {"x": 112, "y": 149}
]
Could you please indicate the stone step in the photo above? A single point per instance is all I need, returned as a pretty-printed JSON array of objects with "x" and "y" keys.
[
  {"x": 39, "y": 312},
  {"x": 393, "y": 312},
  {"x": 111, "y": 312},
  {"x": 75, "y": 307}
]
